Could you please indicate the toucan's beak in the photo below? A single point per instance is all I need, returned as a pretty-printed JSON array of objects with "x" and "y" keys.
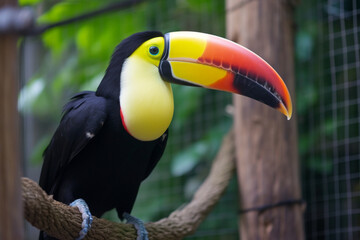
[{"x": 192, "y": 58}]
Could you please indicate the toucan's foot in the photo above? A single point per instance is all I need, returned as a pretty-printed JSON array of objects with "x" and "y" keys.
[
  {"x": 139, "y": 225},
  {"x": 86, "y": 216}
]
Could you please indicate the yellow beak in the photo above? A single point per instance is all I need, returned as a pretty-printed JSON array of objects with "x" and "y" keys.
[{"x": 199, "y": 59}]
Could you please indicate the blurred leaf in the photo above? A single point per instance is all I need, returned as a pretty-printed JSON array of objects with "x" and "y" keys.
[
  {"x": 328, "y": 128},
  {"x": 304, "y": 46},
  {"x": 29, "y": 93},
  {"x": 92, "y": 84},
  {"x": 200, "y": 5},
  {"x": 56, "y": 41},
  {"x": 206, "y": 148},
  {"x": 36, "y": 156},
  {"x": 191, "y": 186},
  {"x": 186, "y": 160},
  {"x": 151, "y": 209},
  {"x": 187, "y": 100},
  {"x": 68, "y": 8},
  {"x": 320, "y": 165},
  {"x": 305, "y": 141},
  {"x": 28, "y": 2},
  {"x": 111, "y": 216},
  {"x": 84, "y": 37},
  {"x": 307, "y": 97}
]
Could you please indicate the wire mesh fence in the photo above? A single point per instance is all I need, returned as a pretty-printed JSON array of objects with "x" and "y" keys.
[{"x": 328, "y": 104}]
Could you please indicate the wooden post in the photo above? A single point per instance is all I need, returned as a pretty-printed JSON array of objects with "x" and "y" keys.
[
  {"x": 11, "y": 217},
  {"x": 267, "y": 155}
]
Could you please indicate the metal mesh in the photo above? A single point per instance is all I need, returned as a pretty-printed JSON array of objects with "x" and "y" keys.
[{"x": 328, "y": 78}]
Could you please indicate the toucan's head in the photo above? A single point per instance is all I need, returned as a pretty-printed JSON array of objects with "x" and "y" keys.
[{"x": 144, "y": 65}]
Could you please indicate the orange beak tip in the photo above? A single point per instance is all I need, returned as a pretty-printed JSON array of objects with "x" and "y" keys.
[{"x": 285, "y": 111}]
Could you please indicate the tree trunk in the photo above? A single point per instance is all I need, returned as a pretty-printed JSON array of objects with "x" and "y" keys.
[
  {"x": 11, "y": 218},
  {"x": 266, "y": 143}
]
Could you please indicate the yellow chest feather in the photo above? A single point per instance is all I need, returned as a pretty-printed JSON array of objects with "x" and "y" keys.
[{"x": 146, "y": 101}]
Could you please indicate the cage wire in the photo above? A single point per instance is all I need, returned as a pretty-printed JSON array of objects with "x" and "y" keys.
[
  {"x": 195, "y": 135},
  {"x": 328, "y": 100}
]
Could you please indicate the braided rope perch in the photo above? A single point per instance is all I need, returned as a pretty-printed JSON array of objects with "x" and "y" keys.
[{"x": 64, "y": 222}]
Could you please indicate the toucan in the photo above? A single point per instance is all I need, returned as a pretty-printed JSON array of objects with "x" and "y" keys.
[{"x": 110, "y": 140}]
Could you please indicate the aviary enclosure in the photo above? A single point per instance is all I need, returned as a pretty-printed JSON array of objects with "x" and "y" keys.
[{"x": 320, "y": 37}]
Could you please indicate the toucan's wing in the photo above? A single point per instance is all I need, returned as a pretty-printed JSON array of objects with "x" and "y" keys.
[
  {"x": 157, "y": 153},
  {"x": 83, "y": 118}
]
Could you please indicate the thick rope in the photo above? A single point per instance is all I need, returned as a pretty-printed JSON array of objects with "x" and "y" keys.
[{"x": 64, "y": 222}]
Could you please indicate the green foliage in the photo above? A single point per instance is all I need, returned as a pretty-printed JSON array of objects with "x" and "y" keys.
[
  {"x": 186, "y": 102},
  {"x": 28, "y": 2},
  {"x": 40, "y": 147},
  {"x": 200, "y": 5},
  {"x": 30, "y": 94},
  {"x": 203, "y": 149}
]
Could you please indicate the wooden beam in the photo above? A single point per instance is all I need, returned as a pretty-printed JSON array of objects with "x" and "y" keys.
[
  {"x": 267, "y": 155},
  {"x": 11, "y": 210}
]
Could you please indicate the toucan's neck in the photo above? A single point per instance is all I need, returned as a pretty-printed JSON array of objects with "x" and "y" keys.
[{"x": 110, "y": 84}]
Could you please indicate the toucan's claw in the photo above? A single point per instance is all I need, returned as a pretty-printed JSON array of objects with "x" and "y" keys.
[
  {"x": 138, "y": 224},
  {"x": 86, "y": 216}
]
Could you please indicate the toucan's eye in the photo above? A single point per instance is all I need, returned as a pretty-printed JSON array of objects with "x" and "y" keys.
[{"x": 153, "y": 50}]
